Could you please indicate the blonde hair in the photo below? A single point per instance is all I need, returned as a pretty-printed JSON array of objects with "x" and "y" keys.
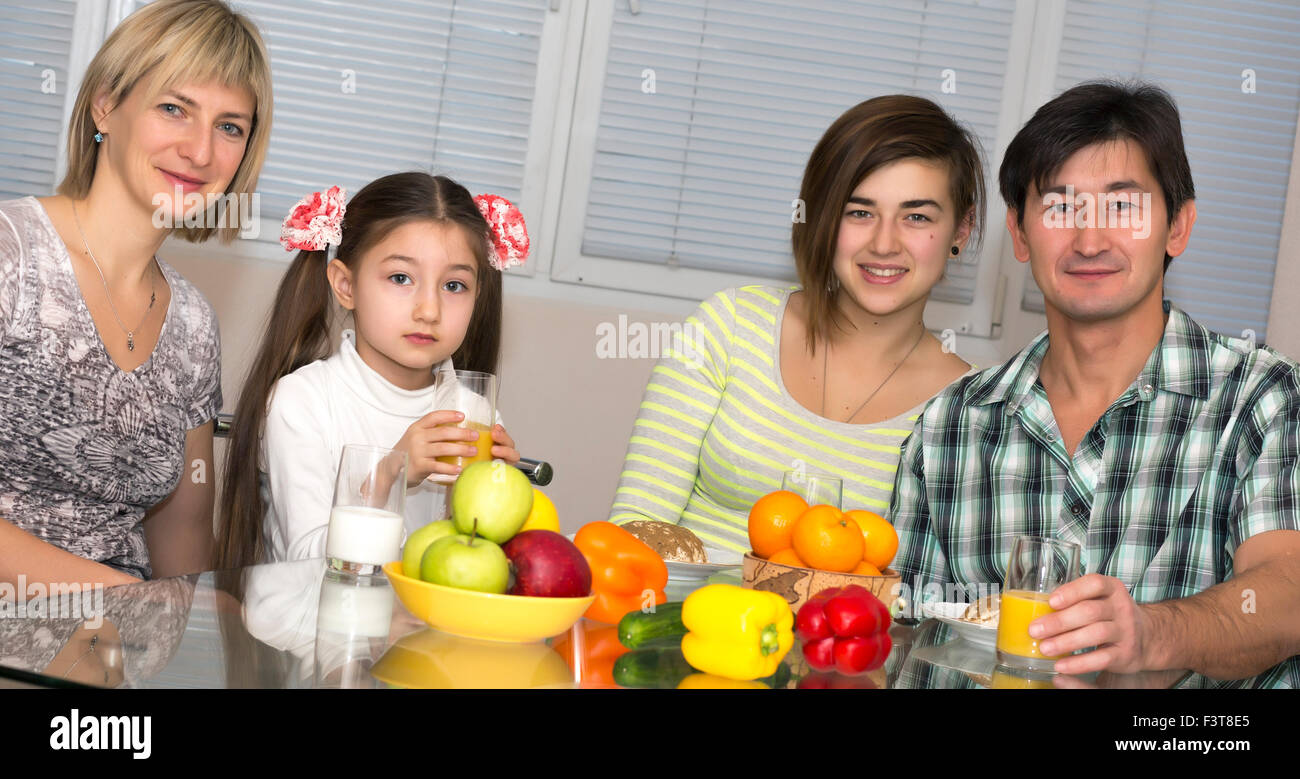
[{"x": 176, "y": 42}]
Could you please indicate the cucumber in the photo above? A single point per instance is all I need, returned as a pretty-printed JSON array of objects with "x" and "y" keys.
[
  {"x": 779, "y": 679},
  {"x": 662, "y": 668},
  {"x": 663, "y": 626}
]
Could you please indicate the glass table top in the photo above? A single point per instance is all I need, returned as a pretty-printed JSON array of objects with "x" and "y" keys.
[{"x": 298, "y": 625}]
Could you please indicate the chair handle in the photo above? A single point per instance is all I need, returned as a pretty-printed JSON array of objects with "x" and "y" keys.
[{"x": 538, "y": 472}]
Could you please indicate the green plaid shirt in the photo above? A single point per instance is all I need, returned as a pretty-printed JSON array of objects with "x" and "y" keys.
[{"x": 1197, "y": 455}]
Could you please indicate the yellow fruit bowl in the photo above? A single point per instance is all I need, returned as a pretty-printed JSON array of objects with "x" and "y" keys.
[
  {"x": 432, "y": 659},
  {"x": 483, "y": 615}
]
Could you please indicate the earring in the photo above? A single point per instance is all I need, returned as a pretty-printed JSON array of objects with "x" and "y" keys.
[
  {"x": 955, "y": 250},
  {"x": 99, "y": 137}
]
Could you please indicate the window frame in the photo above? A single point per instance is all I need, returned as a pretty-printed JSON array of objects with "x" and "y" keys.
[
  {"x": 547, "y": 98},
  {"x": 1021, "y": 322},
  {"x": 572, "y": 54},
  {"x": 570, "y": 265}
]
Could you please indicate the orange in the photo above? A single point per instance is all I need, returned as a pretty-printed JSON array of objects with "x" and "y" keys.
[
  {"x": 879, "y": 537},
  {"x": 787, "y": 557},
  {"x": 865, "y": 568},
  {"x": 771, "y": 520},
  {"x": 826, "y": 539}
]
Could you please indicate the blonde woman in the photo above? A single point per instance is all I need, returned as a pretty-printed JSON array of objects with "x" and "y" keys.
[{"x": 109, "y": 359}]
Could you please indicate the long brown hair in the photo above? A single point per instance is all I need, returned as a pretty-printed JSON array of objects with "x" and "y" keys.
[
  {"x": 299, "y": 331},
  {"x": 866, "y": 137}
]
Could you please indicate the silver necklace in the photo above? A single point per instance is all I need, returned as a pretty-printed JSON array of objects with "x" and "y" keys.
[
  {"x": 90, "y": 650},
  {"x": 825, "y": 362},
  {"x": 153, "y": 282}
]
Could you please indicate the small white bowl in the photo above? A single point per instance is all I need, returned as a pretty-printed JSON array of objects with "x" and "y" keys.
[{"x": 982, "y": 633}]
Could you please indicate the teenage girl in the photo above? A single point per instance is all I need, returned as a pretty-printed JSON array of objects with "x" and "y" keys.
[
  {"x": 831, "y": 375},
  {"x": 418, "y": 268}
]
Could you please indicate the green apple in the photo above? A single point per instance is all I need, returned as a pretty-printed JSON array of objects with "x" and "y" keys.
[
  {"x": 491, "y": 499},
  {"x": 466, "y": 562},
  {"x": 419, "y": 541}
]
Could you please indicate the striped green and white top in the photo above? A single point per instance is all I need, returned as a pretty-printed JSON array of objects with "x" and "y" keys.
[{"x": 717, "y": 429}]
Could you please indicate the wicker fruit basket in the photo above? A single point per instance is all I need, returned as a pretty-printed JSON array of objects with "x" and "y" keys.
[{"x": 797, "y": 584}]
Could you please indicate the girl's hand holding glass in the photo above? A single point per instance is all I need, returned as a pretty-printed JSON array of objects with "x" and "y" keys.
[
  {"x": 504, "y": 446},
  {"x": 434, "y": 436}
]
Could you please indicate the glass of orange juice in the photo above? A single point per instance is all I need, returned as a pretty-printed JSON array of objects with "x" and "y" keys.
[
  {"x": 1008, "y": 678},
  {"x": 1037, "y": 567},
  {"x": 474, "y": 394}
]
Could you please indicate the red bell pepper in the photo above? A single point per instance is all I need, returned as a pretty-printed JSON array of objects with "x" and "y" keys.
[
  {"x": 844, "y": 628},
  {"x": 830, "y": 680}
]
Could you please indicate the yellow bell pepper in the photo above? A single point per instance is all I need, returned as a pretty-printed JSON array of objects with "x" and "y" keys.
[
  {"x": 711, "y": 682},
  {"x": 736, "y": 633}
]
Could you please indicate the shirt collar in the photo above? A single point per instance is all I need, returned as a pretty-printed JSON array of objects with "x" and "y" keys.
[
  {"x": 1180, "y": 363},
  {"x": 378, "y": 391}
]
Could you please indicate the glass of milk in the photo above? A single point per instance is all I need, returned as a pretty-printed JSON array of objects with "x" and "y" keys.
[
  {"x": 352, "y": 626},
  {"x": 365, "y": 529}
]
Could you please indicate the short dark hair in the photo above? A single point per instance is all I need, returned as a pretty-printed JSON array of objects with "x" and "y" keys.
[{"x": 1096, "y": 112}]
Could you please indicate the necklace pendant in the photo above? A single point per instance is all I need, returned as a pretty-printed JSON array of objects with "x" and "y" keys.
[{"x": 130, "y": 342}]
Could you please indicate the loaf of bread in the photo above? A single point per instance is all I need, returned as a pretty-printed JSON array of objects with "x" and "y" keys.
[{"x": 671, "y": 542}]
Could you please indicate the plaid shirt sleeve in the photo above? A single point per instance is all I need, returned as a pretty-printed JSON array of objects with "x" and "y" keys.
[
  {"x": 921, "y": 560},
  {"x": 1269, "y": 462}
]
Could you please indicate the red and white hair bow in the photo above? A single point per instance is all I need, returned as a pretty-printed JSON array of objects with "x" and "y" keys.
[
  {"x": 509, "y": 234},
  {"x": 315, "y": 222}
]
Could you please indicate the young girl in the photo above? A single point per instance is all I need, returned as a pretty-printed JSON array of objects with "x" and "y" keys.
[{"x": 418, "y": 267}]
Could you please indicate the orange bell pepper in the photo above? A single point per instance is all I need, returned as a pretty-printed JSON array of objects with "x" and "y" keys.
[
  {"x": 625, "y": 572},
  {"x": 600, "y": 648}
]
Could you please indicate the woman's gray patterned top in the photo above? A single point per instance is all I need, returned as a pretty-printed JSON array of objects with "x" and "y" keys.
[
  {"x": 85, "y": 447},
  {"x": 151, "y": 618}
]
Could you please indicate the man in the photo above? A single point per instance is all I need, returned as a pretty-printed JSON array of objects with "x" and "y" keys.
[{"x": 1167, "y": 452}]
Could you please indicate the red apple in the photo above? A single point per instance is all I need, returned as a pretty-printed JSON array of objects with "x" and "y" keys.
[{"x": 547, "y": 565}]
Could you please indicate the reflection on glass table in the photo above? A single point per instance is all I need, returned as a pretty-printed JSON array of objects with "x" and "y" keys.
[
  {"x": 294, "y": 625},
  {"x": 115, "y": 637}
]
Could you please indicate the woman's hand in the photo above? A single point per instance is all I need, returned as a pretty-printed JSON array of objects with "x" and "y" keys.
[
  {"x": 432, "y": 436},
  {"x": 92, "y": 657},
  {"x": 504, "y": 446}
]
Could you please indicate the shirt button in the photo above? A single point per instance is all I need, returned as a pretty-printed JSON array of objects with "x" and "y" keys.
[
  {"x": 1147, "y": 389},
  {"x": 1078, "y": 509},
  {"x": 1051, "y": 436}
]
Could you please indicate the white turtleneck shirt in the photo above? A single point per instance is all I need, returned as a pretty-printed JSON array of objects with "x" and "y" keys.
[{"x": 312, "y": 414}]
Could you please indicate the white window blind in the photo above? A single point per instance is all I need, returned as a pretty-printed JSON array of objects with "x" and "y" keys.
[
  {"x": 367, "y": 89},
  {"x": 35, "y": 45},
  {"x": 1239, "y": 143},
  {"x": 700, "y": 171}
]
